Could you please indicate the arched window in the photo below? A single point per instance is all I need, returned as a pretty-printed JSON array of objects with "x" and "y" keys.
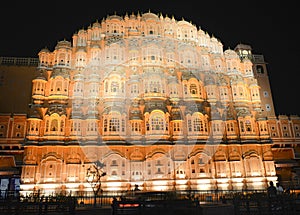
[
  {"x": 156, "y": 123},
  {"x": 193, "y": 89},
  {"x": 248, "y": 125},
  {"x": 197, "y": 124},
  {"x": 114, "y": 123},
  {"x": 54, "y": 125}
]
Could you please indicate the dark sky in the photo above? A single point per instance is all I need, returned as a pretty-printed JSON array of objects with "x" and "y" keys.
[{"x": 270, "y": 29}]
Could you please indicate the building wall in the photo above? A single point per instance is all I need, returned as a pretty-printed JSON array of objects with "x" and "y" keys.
[
  {"x": 16, "y": 75},
  {"x": 12, "y": 134}
]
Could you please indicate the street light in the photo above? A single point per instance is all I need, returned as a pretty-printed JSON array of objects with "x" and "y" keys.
[{"x": 93, "y": 176}]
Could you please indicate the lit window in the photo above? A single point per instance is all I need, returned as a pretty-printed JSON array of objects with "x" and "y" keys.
[{"x": 114, "y": 124}]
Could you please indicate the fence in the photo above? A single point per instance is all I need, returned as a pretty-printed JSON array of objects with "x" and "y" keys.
[
  {"x": 244, "y": 202},
  {"x": 19, "y": 61}
]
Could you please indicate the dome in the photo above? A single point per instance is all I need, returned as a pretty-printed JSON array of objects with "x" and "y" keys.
[
  {"x": 132, "y": 16},
  {"x": 114, "y": 17},
  {"x": 229, "y": 53},
  {"x": 183, "y": 22},
  {"x": 45, "y": 50},
  {"x": 150, "y": 16},
  {"x": 63, "y": 44},
  {"x": 209, "y": 80},
  {"x": 40, "y": 76},
  {"x": 60, "y": 72},
  {"x": 96, "y": 24}
]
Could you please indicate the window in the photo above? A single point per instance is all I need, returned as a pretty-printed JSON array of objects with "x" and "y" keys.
[
  {"x": 114, "y": 163},
  {"x": 260, "y": 69},
  {"x": 197, "y": 124},
  {"x": 157, "y": 123},
  {"x": 193, "y": 89},
  {"x": 54, "y": 125},
  {"x": 176, "y": 126},
  {"x": 114, "y": 124},
  {"x": 248, "y": 125},
  {"x": 114, "y": 87}
]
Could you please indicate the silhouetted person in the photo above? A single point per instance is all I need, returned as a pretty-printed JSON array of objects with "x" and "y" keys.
[
  {"x": 136, "y": 187},
  {"x": 272, "y": 191}
]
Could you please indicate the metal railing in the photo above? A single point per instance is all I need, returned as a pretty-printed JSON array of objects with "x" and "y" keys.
[
  {"x": 243, "y": 202},
  {"x": 19, "y": 61}
]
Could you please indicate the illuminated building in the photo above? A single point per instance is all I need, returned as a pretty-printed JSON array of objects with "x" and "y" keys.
[{"x": 160, "y": 104}]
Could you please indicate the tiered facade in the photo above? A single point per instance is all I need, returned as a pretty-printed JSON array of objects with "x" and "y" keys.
[{"x": 157, "y": 101}]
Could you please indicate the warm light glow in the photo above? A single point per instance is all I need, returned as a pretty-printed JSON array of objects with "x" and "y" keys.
[
  {"x": 255, "y": 179},
  {"x": 181, "y": 182},
  {"x": 148, "y": 117},
  {"x": 222, "y": 180},
  {"x": 113, "y": 186},
  {"x": 223, "y": 186},
  {"x": 159, "y": 185},
  {"x": 203, "y": 184},
  {"x": 49, "y": 186},
  {"x": 72, "y": 185},
  {"x": 203, "y": 187},
  {"x": 255, "y": 174},
  {"x": 71, "y": 179},
  {"x": 258, "y": 184},
  {"x": 237, "y": 180}
]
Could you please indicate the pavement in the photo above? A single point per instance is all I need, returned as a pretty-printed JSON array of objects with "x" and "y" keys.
[{"x": 206, "y": 209}]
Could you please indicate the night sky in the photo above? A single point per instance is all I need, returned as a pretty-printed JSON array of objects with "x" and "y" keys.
[{"x": 270, "y": 29}]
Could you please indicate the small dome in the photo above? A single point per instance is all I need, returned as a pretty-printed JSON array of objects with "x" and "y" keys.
[
  {"x": 209, "y": 80},
  {"x": 59, "y": 72},
  {"x": 229, "y": 53},
  {"x": 189, "y": 75},
  {"x": 132, "y": 16},
  {"x": 40, "y": 76},
  {"x": 96, "y": 24},
  {"x": 183, "y": 22},
  {"x": 150, "y": 16},
  {"x": 45, "y": 50},
  {"x": 63, "y": 44},
  {"x": 114, "y": 17}
]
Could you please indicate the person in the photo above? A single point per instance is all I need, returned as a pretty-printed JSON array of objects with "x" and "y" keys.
[
  {"x": 279, "y": 188},
  {"x": 136, "y": 187},
  {"x": 272, "y": 191},
  {"x": 114, "y": 205}
]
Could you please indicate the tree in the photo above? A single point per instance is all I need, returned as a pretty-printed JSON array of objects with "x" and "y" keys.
[{"x": 93, "y": 176}]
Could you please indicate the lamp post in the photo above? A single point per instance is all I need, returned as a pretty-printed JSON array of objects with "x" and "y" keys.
[{"x": 93, "y": 176}]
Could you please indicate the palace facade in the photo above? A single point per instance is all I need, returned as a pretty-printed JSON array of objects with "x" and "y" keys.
[{"x": 161, "y": 105}]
